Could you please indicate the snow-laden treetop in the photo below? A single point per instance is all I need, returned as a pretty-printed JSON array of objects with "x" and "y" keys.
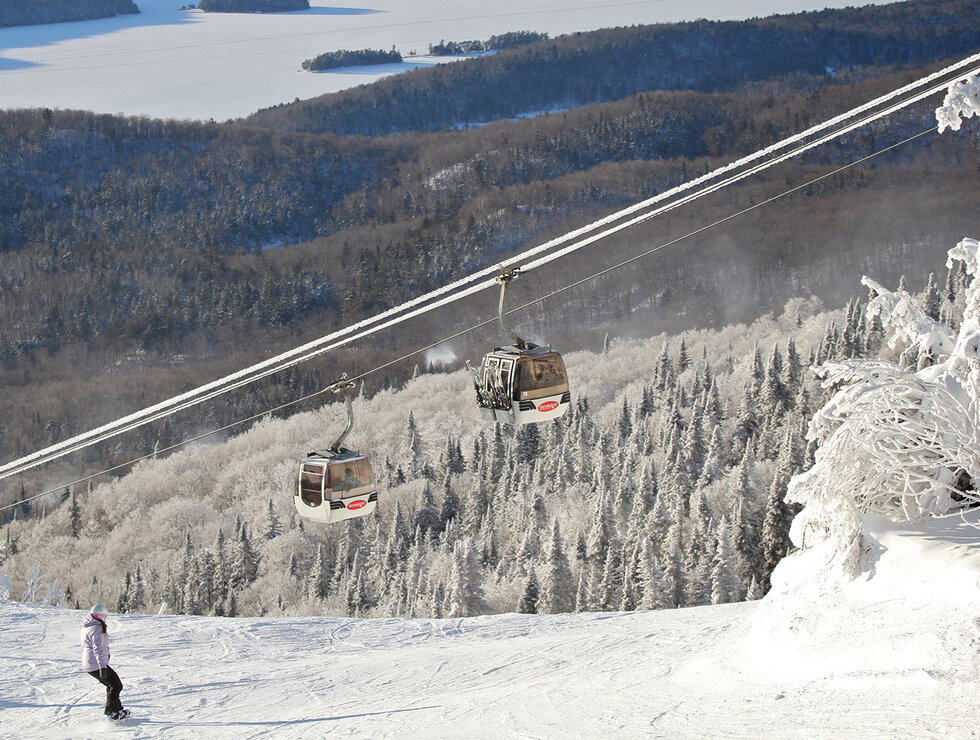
[{"x": 962, "y": 101}]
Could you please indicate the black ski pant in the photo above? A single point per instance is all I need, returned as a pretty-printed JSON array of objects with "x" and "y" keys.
[{"x": 113, "y": 686}]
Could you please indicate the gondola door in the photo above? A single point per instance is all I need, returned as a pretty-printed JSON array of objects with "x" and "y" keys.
[{"x": 497, "y": 376}]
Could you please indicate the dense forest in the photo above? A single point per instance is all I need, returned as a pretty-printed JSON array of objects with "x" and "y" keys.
[
  {"x": 29, "y": 12},
  {"x": 252, "y": 6},
  {"x": 139, "y": 258},
  {"x": 663, "y": 486}
]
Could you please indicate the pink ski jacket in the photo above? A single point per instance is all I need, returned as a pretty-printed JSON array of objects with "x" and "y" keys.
[{"x": 95, "y": 646}]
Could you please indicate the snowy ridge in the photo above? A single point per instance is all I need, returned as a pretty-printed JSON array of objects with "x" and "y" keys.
[{"x": 892, "y": 653}]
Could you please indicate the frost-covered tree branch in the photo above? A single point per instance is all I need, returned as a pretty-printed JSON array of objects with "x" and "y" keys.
[
  {"x": 893, "y": 443},
  {"x": 911, "y": 327},
  {"x": 962, "y": 101},
  {"x": 963, "y": 366}
]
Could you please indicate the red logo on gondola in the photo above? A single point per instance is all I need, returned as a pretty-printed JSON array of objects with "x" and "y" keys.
[
  {"x": 359, "y": 504},
  {"x": 548, "y": 406}
]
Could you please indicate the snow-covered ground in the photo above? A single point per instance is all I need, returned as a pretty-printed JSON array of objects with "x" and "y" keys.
[
  {"x": 892, "y": 654},
  {"x": 185, "y": 64}
]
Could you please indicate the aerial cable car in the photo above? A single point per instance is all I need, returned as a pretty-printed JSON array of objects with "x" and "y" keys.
[
  {"x": 336, "y": 484},
  {"x": 523, "y": 383}
]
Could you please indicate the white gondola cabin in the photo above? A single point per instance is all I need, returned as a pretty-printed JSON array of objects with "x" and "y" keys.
[
  {"x": 336, "y": 484},
  {"x": 524, "y": 383},
  {"x": 522, "y": 386}
]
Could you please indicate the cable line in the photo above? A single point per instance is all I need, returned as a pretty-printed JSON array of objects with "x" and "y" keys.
[
  {"x": 458, "y": 289},
  {"x": 481, "y": 324}
]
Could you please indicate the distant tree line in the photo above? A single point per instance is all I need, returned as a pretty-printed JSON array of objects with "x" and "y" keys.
[
  {"x": 455, "y": 48},
  {"x": 252, "y": 6},
  {"x": 494, "y": 43},
  {"x": 347, "y": 58},
  {"x": 30, "y": 12}
]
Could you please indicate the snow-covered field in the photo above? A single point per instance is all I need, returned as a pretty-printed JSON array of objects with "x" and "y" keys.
[
  {"x": 892, "y": 654},
  {"x": 185, "y": 64}
]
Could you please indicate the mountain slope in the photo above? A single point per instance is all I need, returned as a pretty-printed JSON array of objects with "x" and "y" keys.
[{"x": 892, "y": 654}]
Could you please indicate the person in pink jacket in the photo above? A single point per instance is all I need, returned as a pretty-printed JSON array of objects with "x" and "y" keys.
[{"x": 95, "y": 661}]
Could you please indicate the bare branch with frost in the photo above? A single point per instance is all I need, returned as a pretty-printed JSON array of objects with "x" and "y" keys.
[{"x": 963, "y": 366}]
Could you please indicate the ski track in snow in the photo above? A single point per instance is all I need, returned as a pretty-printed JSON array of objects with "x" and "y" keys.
[{"x": 893, "y": 654}]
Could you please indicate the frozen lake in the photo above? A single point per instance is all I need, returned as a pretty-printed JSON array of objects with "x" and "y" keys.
[{"x": 169, "y": 62}]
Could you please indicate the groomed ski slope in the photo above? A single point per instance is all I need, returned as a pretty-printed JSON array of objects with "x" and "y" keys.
[{"x": 891, "y": 654}]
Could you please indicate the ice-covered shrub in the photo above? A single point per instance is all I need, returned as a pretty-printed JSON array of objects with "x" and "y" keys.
[{"x": 894, "y": 441}]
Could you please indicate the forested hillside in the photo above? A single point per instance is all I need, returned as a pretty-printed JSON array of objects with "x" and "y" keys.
[
  {"x": 662, "y": 487},
  {"x": 580, "y": 69},
  {"x": 139, "y": 258},
  {"x": 28, "y": 12}
]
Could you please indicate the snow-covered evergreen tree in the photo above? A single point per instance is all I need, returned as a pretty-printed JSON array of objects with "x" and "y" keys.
[
  {"x": 316, "y": 586},
  {"x": 426, "y": 517},
  {"x": 450, "y": 502},
  {"x": 775, "y": 526},
  {"x": 725, "y": 584},
  {"x": 672, "y": 566},
  {"x": 355, "y": 593},
  {"x": 653, "y": 588},
  {"x": 272, "y": 527},
  {"x": 558, "y": 592},
  {"x": 245, "y": 561},
  {"x": 466, "y": 582},
  {"x": 529, "y": 597},
  {"x": 600, "y": 530},
  {"x": 137, "y": 596},
  {"x": 122, "y": 603},
  {"x": 74, "y": 516}
]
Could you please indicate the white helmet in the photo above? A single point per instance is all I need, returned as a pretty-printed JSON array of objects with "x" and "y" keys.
[{"x": 98, "y": 611}]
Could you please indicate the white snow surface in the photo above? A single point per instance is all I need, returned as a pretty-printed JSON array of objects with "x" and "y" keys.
[
  {"x": 186, "y": 64},
  {"x": 891, "y": 654}
]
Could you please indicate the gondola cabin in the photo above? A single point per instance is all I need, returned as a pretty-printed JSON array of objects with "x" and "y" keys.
[
  {"x": 522, "y": 386},
  {"x": 332, "y": 486}
]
